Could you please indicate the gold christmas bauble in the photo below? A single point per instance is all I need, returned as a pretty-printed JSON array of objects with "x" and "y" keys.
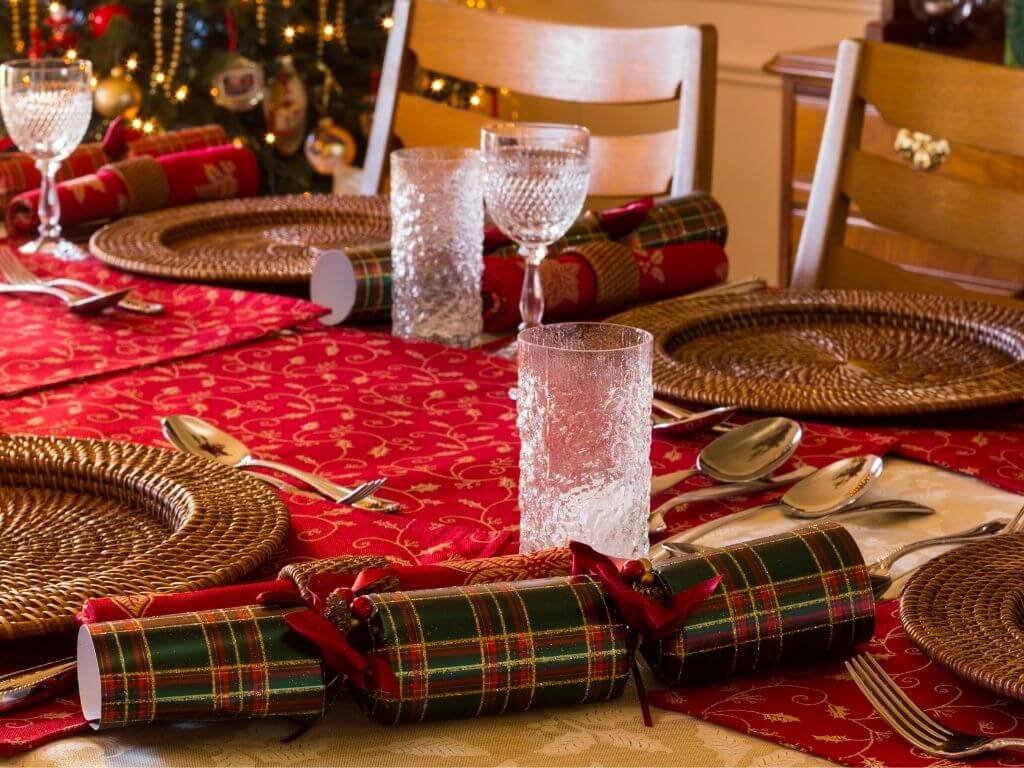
[
  {"x": 329, "y": 147},
  {"x": 117, "y": 94}
]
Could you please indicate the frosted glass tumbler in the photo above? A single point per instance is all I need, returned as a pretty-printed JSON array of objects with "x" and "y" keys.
[
  {"x": 437, "y": 240},
  {"x": 584, "y": 417}
]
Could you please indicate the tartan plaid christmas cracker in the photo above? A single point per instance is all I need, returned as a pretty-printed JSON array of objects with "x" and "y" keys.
[
  {"x": 640, "y": 225},
  {"x": 792, "y": 598},
  {"x": 493, "y": 648},
  {"x": 240, "y": 662}
]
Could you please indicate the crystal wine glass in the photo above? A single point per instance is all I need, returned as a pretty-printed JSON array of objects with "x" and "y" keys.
[
  {"x": 535, "y": 181},
  {"x": 46, "y": 105}
]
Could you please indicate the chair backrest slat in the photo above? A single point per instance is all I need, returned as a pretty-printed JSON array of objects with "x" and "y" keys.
[
  {"x": 960, "y": 100},
  {"x": 556, "y": 61},
  {"x": 598, "y": 65},
  {"x": 969, "y": 104},
  {"x": 937, "y": 208}
]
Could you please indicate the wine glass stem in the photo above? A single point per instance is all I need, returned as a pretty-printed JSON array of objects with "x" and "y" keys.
[
  {"x": 49, "y": 205},
  {"x": 531, "y": 302}
]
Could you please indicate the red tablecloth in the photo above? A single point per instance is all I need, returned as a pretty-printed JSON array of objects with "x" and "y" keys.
[
  {"x": 439, "y": 424},
  {"x": 44, "y": 344}
]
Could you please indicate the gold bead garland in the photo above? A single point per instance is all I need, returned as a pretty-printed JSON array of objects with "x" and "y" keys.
[
  {"x": 339, "y": 24},
  {"x": 159, "y": 77},
  {"x": 33, "y": 21},
  {"x": 16, "y": 39},
  {"x": 261, "y": 20}
]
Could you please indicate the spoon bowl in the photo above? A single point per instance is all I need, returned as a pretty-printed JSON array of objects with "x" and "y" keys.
[
  {"x": 745, "y": 453},
  {"x": 832, "y": 488},
  {"x": 750, "y": 451},
  {"x": 826, "y": 491}
]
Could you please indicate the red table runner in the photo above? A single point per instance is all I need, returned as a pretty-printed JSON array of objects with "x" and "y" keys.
[
  {"x": 438, "y": 423},
  {"x": 45, "y": 344}
]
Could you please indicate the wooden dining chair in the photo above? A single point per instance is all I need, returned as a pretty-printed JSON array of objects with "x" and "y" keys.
[
  {"x": 554, "y": 61},
  {"x": 965, "y": 207}
]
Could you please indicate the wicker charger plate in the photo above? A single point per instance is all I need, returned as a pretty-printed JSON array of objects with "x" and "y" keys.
[
  {"x": 85, "y": 518},
  {"x": 836, "y": 353},
  {"x": 251, "y": 240},
  {"x": 966, "y": 611}
]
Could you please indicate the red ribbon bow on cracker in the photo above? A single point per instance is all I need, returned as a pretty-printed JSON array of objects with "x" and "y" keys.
[
  {"x": 331, "y": 594},
  {"x": 644, "y": 616}
]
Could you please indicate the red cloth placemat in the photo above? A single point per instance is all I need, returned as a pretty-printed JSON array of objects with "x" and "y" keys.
[{"x": 44, "y": 344}]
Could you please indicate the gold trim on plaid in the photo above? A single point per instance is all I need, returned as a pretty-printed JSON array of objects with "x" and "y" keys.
[
  {"x": 493, "y": 648},
  {"x": 792, "y": 598},
  {"x": 198, "y": 137},
  {"x": 145, "y": 184},
  {"x": 681, "y": 220},
  {"x": 228, "y": 663},
  {"x": 616, "y": 274}
]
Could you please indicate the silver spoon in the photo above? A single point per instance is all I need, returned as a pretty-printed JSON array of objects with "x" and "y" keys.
[
  {"x": 88, "y": 305},
  {"x": 891, "y": 507},
  {"x": 724, "y": 491},
  {"x": 830, "y": 489},
  {"x": 748, "y": 452},
  {"x": 694, "y": 422},
  {"x": 199, "y": 438}
]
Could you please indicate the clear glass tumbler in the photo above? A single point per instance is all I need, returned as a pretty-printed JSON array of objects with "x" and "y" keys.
[
  {"x": 437, "y": 238},
  {"x": 46, "y": 106},
  {"x": 535, "y": 185},
  {"x": 584, "y": 401}
]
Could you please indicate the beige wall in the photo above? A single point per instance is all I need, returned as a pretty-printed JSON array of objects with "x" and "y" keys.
[{"x": 748, "y": 125}]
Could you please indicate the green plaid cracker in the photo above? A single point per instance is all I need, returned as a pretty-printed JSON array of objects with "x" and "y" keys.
[
  {"x": 493, "y": 648},
  {"x": 681, "y": 220},
  {"x": 372, "y": 267},
  {"x": 792, "y": 598},
  {"x": 227, "y": 663}
]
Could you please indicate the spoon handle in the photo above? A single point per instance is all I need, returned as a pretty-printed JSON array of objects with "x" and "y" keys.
[
  {"x": 662, "y": 483},
  {"x": 695, "y": 533}
]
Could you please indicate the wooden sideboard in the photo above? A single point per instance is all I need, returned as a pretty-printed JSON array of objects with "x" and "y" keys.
[{"x": 807, "y": 79}]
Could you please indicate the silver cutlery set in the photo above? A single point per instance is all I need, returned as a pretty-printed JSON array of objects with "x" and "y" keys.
[
  {"x": 199, "y": 438},
  {"x": 743, "y": 460},
  {"x": 81, "y": 298}
]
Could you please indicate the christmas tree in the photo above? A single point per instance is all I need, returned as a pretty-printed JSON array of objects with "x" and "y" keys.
[{"x": 291, "y": 79}]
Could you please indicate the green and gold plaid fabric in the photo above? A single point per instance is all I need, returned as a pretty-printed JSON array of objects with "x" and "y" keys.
[
  {"x": 372, "y": 267},
  {"x": 228, "y": 663},
  {"x": 681, "y": 220},
  {"x": 492, "y": 648},
  {"x": 792, "y": 598}
]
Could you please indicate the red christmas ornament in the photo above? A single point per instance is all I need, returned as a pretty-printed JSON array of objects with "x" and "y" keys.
[{"x": 101, "y": 16}]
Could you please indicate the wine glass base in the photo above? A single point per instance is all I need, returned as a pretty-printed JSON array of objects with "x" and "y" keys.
[{"x": 59, "y": 248}]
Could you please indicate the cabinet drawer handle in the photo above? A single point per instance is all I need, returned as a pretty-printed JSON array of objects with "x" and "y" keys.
[{"x": 924, "y": 152}]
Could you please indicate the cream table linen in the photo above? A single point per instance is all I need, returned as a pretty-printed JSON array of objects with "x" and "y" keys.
[{"x": 592, "y": 736}]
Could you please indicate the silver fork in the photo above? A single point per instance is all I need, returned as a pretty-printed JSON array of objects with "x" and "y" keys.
[
  {"x": 358, "y": 493},
  {"x": 910, "y": 722},
  {"x": 17, "y": 273}
]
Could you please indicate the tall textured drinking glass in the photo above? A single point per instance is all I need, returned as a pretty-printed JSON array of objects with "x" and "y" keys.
[
  {"x": 437, "y": 240},
  {"x": 535, "y": 184},
  {"x": 584, "y": 401},
  {"x": 46, "y": 105}
]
